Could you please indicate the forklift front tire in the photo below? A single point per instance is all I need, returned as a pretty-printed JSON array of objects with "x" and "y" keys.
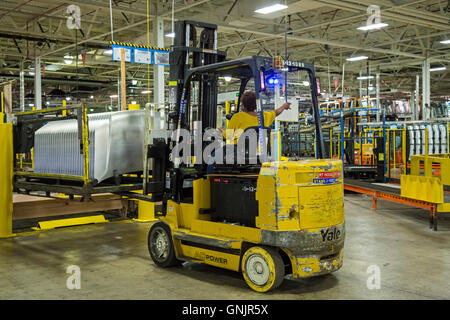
[
  {"x": 262, "y": 268},
  {"x": 160, "y": 246}
]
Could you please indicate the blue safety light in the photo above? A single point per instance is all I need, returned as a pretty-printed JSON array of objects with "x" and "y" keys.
[{"x": 273, "y": 80}]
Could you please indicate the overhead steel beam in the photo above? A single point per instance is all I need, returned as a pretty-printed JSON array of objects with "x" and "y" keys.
[
  {"x": 319, "y": 41},
  {"x": 90, "y": 83},
  {"x": 396, "y": 15}
]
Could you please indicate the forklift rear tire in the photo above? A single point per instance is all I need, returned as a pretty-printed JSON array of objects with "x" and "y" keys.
[
  {"x": 262, "y": 268},
  {"x": 160, "y": 246}
]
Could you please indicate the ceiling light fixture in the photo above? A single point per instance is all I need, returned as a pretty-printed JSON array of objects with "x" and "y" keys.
[
  {"x": 68, "y": 59},
  {"x": 171, "y": 35},
  {"x": 227, "y": 78},
  {"x": 358, "y": 58},
  {"x": 445, "y": 41},
  {"x": 374, "y": 26},
  {"x": 272, "y": 8},
  {"x": 146, "y": 92},
  {"x": 438, "y": 69},
  {"x": 365, "y": 77}
]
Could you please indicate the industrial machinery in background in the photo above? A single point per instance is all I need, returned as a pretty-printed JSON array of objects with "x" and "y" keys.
[
  {"x": 77, "y": 153},
  {"x": 73, "y": 165},
  {"x": 200, "y": 222},
  {"x": 354, "y": 133}
]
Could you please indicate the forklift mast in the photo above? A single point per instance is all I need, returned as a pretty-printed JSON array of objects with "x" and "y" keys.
[{"x": 191, "y": 50}]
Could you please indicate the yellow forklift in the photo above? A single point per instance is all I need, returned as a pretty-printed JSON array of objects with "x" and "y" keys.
[{"x": 265, "y": 219}]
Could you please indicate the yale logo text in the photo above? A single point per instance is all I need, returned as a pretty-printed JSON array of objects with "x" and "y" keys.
[{"x": 330, "y": 235}]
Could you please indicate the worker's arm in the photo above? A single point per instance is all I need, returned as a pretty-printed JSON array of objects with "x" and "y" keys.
[{"x": 285, "y": 106}]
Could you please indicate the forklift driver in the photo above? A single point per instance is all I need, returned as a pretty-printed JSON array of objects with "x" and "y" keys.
[{"x": 248, "y": 117}]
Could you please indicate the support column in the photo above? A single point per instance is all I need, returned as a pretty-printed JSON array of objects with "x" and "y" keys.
[
  {"x": 378, "y": 96},
  {"x": 6, "y": 101},
  {"x": 158, "y": 71},
  {"x": 360, "y": 84},
  {"x": 276, "y": 135},
  {"x": 426, "y": 89},
  {"x": 22, "y": 88},
  {"x": 417, "y": 102},
  {"x": 37, "y": 84},
  {"x": 368, "y": 85},
  {"x": 123, "y": 84}
]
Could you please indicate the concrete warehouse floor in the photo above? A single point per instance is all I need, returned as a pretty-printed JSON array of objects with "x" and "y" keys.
[{"x": 115, "y": 263}]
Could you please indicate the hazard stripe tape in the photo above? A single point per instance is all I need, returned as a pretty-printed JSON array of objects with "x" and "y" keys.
[{"x": 137, "y": 46}]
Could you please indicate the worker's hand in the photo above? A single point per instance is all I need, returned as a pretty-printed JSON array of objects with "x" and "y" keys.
[{"x": 286, "y": 106}]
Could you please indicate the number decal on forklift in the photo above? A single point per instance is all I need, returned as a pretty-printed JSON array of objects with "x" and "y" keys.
[
  {"x": 325, "y": 181},
  {"x": 331, "y": 174}
]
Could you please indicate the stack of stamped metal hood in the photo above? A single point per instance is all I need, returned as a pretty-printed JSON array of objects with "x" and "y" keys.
[{"x": 116, "y": 142}]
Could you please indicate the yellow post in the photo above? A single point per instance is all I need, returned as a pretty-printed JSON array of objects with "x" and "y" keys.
[
  {"x": 64, "y": 112},
  {"x": 279, "y": 145},
  {"x": 6, "y": 178},
  {"x": 85, "y": 134},
  {"x": 393, "y": 145},
  {"x": 404, "y": 150},
  {"x": 388, "y": 153},
  {"x": 134, "y": 106},
  {"x": 1, "y": 109},
  {"x": 227, "y": 111},
  {"x": 146, "y": 211}
]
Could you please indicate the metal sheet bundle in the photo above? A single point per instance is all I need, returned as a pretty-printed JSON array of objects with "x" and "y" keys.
[{"x": 116, "y": 142}]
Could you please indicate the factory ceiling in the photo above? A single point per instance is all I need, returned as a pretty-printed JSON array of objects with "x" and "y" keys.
[{"x": 323, "y": 32}]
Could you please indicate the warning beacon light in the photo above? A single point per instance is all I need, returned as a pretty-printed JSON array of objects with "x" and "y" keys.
[{"x": 272, "y": 80}]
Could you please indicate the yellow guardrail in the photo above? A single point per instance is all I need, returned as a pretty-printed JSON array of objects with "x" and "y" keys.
[
  {"x": 428, "y": 161},
  {"x": 428, "y": 189}
]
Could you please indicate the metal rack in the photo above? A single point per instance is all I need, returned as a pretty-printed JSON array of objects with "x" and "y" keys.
[{"x": 26, "y": 181}]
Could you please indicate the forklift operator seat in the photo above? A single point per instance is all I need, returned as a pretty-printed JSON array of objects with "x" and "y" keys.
[{"x": 250, "y": 149}]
